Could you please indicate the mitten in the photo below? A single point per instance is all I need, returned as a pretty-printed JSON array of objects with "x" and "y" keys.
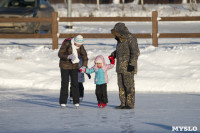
[
  {"x": 130, "y": 68},
  {"x": 71, "y": 57},
  {"x": 82, "y": 69},
  {"x": 89, "y": 76},
  {"x": 112, "y": 60}
]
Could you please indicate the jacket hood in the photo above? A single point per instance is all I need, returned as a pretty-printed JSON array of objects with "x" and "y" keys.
[
  {"x": 100, "y": 58},
  {"x": 120, "y": 30}
]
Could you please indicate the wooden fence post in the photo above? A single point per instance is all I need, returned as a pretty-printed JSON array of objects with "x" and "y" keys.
[
  {"x": 54, "y": 30},
  {"x": 154, "y": 28}
]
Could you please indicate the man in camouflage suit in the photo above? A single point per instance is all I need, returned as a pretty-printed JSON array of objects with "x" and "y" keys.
[{"x": 126, "y": 53}]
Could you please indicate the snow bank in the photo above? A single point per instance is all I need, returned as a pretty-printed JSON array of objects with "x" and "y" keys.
[
  {"x": 172, "y": 67},
  {"x": 131, "y": 9},
  {"x": 162, "y": 69}
]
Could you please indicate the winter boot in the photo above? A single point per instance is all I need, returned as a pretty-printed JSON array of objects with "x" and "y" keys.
[
  {"x": 120, "y": 106},
  {"x": 104, "y": 105},
  {"x": 76, "y": 105},
  {"x": 128, "y": 107},
  {"x": 62, "y": 106},
  {"x": 99, "y": 104}
]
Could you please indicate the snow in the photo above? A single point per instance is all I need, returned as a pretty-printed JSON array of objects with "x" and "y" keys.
[
  {"x": 172, "y": 67},
  {"x": 131, "y": 9},
  {"x": 167, "y": 83}
]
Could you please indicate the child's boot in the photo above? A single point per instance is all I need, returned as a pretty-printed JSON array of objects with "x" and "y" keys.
[
  {"x": 99, "y": 104},
  {"x": 103, "y": 105}
]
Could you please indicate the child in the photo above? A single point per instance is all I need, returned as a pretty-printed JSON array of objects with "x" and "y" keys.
[{"x": 101, "y": 78}]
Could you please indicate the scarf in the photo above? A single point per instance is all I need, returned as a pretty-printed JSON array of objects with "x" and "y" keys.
[{"x": 75, "y": 52}]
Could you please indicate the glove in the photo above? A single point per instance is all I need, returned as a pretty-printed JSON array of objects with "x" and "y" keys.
[
  {"x": 71, "y": 57},
  {"x": 116, "y": 38},
  {"x": 130, "y": 68},
  {"x": 89, "y": 76},
  {"x": 112, "y": 60},
  {"x": 82, "y": 69}
]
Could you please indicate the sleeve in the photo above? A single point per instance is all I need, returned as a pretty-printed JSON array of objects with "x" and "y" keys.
[
  {"x": 114, "y": 54},
  {"x": 109, "y": 66},
  {"x": 89, "y": 71},
  {"x": 62, "y": 54},
  {"x": 83, "y": 54},
  {"x": 134, "y": 51}
]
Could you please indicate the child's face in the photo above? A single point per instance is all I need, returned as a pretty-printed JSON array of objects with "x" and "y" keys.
[{"x": 99, "y": 65}]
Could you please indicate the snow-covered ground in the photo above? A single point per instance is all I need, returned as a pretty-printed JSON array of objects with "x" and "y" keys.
[
  {"x": 167, "y": 83},
  {"x": 172, "y": 67},
  {"x": 131, "y": 9},
  {"x": 168, "y": 68}
]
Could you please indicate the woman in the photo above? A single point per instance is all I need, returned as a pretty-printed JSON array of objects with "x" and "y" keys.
[{"x": 69, "y": 54}]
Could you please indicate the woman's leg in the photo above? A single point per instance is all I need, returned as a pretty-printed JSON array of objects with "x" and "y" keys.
[
  {"x": 64, "y": 86},
  {"x": 74, "y": 85}
]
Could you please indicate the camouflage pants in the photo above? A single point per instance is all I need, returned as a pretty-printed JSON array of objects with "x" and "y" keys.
[{"x": 126, "y": 89}]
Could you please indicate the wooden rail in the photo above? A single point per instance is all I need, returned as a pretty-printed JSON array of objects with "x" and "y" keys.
[
  {"x": 103, "y": 19},
  {"x": 55, "y": 21},
  {"x": 180, "y": 19},
  {"x": 100, "y": 35}
]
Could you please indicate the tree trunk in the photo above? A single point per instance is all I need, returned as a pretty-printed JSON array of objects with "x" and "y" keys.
[
  {"x": 123, "y": 1},
  {"x": 116, "y": 1},
  {"x": 184, "y": 1},
  {"x": 98, "y": 8},
  {"x": 142, "y": 3}
]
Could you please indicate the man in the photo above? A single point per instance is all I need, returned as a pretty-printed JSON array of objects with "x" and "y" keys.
[
  {"x": 126, "y": 53},
  {"x": 69, "y": 54}
]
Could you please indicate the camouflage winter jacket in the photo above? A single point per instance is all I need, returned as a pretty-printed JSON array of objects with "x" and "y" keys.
[
  {"x": 127, "y": 50},
  {"x": 65, "y": 50}
]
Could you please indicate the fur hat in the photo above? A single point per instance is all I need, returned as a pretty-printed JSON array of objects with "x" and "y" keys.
[{"x": 78, "y": 39}]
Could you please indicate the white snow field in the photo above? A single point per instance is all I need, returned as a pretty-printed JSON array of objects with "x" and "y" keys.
[{"x": 167, "y": 83}]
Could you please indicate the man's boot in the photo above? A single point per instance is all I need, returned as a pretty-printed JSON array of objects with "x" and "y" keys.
[{"x": 120, "y": 106}]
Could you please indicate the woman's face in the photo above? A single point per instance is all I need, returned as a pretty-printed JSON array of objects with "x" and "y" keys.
[{"x": 77, "y": 45}]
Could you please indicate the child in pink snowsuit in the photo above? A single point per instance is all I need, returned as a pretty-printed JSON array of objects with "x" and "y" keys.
[{"x": 101, "y": 78}]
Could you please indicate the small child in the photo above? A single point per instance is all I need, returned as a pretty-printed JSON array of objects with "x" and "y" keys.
[{"x": 101, "y": 78}]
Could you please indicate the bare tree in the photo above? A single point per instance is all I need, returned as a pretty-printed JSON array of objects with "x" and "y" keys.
[
  {"x": 69, "y": 12},
  {"x": 184, "y": 1},
  {"x": 98, "y": 8},
  {"x": 193, "y": 5},
  {"x": 142, "y": 3},
  {"x": 116, "y": 1},
  {"x": 123, "y": 1}
]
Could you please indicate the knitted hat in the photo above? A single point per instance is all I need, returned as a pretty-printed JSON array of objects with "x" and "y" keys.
[
  {"x": 78, "y": 39},
  {"x": 99, "y": 61}
]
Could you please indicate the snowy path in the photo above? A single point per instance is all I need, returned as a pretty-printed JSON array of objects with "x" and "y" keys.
[{"x": 31, "y": 111}]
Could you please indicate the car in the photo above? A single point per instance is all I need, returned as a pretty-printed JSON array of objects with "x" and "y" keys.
[{"x": 25, "y": 9}]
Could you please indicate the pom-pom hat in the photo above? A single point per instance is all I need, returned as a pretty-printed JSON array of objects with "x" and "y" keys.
[{"x": 78, "y": 39}]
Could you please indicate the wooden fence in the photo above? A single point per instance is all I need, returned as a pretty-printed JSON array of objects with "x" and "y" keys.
[{"x": 55, "y": 20}]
